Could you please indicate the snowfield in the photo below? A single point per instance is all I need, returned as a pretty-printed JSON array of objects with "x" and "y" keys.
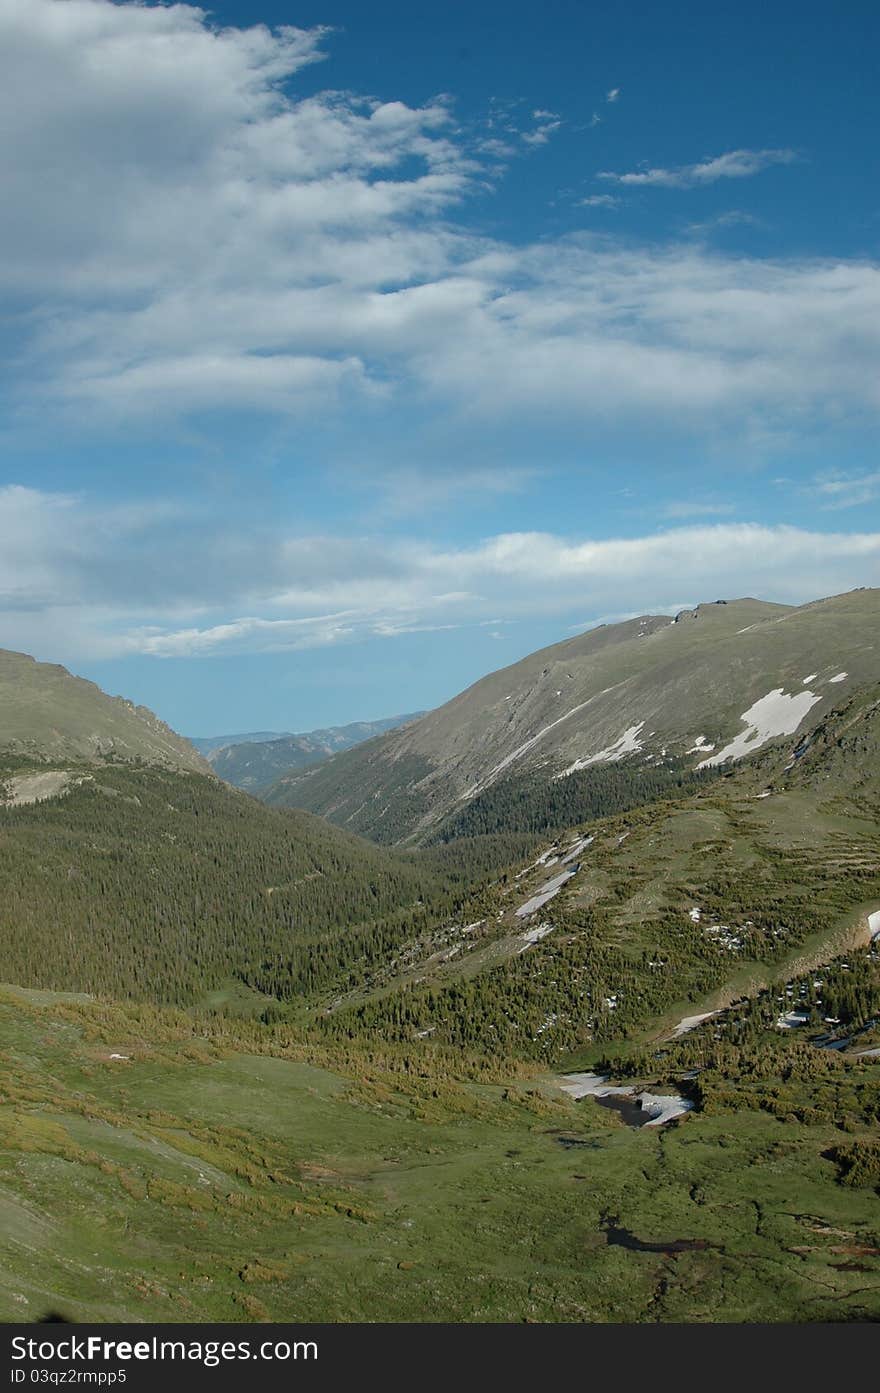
[
  {"x": 772, "y": 715},
  {"x": 529, "y": 744},
  {"x": 592, "y": 1086}
]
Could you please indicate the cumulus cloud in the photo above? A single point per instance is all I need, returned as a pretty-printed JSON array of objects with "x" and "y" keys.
[
  {"x": 79, "y": 582},
  {"x": 735, "y": 164},
  {"x": 183, "y": 233}
]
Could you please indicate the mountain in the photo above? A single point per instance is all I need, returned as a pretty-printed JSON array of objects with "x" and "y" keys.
[
  {"x": 620, "y": 928},
  {"x": 207, "y": 744},
  {"x": 253, "y": 762},
  {"x": 391, "y": 1137},
  {"x": 48, "y": 714},
  {"x": 651, "y": 696}
]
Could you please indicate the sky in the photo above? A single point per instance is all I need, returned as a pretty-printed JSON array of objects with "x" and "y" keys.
[{"x": 349, "y": 352}]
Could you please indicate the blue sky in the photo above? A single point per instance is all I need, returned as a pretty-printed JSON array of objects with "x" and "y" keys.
[{"x": 351, "y": 351}]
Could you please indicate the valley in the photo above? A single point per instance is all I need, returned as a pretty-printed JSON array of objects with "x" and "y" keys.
[{"x": 608, "y": 1054}]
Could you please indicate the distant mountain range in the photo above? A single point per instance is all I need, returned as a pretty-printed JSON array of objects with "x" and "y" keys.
[
  {"x": 254, "y": 761},
  {"x": 653, "y": 694},
  {"x": 207, "y": 744}
]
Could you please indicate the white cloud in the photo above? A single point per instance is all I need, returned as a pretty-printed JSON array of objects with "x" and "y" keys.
[
  {"x": 80, "y": 582},
  {"x": 183, "y": 234},
  {"x": 613, "y": 95},
  {"x": 599, "y": 200},
  {"x": 735, "y": 164},
  {"x": 848, "y": 490},
  {"x": 734, "y": 217},
  {"x": 547, "y": 123}
]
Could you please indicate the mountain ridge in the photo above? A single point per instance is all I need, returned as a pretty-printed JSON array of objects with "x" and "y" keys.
[{"x": 653, "y": 688}]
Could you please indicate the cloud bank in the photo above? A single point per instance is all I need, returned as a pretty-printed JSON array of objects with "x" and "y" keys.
[{"x": 80, "y": 581}]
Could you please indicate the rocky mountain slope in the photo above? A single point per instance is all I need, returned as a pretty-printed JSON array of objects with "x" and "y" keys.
[
  {"x": 695, "y": 692},
  {"x": 48, "y": 714}
]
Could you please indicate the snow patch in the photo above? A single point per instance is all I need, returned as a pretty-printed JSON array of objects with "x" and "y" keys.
[
  {"x": 841, "y": 676},
  {"x": 576, "y": 850},
  {"x": 874, "y": 925},
  {"x": 772, "y": 715},
  {"x": 591, "y": 1086},
  {"x": 547, "y": 892},
  {"x": 811, "y": 677},
  {"x": 626, "y": 744},
  {"x": 688, "y": 1023},
  {"x": 791, "y": 1020},
  {"x": 535, "y": 935},
  {"x": 695, "y": 914},
  {"x": 659, "y": 1107},
  {"x": 663, "y": 1107},
  {"x": 700, "y": 746}
]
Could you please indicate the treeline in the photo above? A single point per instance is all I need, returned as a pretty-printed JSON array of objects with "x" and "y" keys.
[{"x": 534, "y": 803}]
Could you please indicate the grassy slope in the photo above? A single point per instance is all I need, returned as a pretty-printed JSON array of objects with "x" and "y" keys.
[
  {"x": 47, "y": 713},
  {"x": 198, "y": 1182}
]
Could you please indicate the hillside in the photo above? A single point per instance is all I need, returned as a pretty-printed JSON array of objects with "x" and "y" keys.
[
  {"x": 48, "y": 714},
  {"x": 681, "y": 696},
  {"x": 361, "y": 1114},
  {"x": 252, "y": 764},
  {"x": 127, "y": 867},
  {"x": 635, "y": 921},
  {"x": 171, "y": 887}
]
